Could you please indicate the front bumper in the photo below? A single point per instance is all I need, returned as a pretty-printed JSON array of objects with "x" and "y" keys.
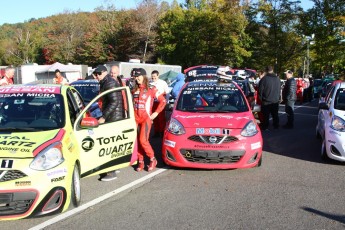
[
  {"x": 335, "y": 144},
  {"x": 26, "y": 193},
  {"x": 191, "y": 151}
]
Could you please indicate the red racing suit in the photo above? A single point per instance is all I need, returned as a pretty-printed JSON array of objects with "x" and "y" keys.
[{"x": 143, "y": 101}]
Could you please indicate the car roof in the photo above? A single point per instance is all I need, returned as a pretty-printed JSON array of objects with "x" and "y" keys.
[{"x": 86, "y": 82}]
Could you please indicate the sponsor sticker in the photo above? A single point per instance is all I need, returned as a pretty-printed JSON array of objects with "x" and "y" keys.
[
  {"x": 256, "y": 145},
  {"x": 170, "y": 143},
  {"x": 57, "y": 173},
  {"x": 211, "y": 131},
  {"x": 22, "y": 183}
]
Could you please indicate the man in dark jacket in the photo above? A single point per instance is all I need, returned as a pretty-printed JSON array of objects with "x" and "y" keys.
[
  {"x": 112, "y": 106},
  {"x": 269, "y": 92},
  {"x": 289, "y": 97}
]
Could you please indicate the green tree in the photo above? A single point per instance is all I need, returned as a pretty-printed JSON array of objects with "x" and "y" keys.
[
  {"x": 326, "y": 21},
  {"x": 211, "y": 32}
]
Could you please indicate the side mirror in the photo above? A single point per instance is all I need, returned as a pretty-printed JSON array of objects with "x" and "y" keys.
[{"x": 89, "y": 122}]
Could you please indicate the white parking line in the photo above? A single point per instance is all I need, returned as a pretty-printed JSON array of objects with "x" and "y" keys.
[{"x": 96, "y": 201}]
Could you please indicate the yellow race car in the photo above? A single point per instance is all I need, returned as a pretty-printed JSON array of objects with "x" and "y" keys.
[{"x": 48, "y": 141}]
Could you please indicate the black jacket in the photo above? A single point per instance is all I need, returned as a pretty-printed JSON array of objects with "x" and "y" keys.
[
  {"x": 269, "y": 89},
  {"x": 112, "y": 104},
  {"x": 289, "y": 91}
]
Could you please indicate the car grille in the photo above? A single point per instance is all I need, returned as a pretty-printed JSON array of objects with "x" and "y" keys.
[
  {"x": 8, "y": 175},
  {"x": 219, "y": 139},
  {"x": 16, "y": 203},
  {"x": 212, "y": 156}
]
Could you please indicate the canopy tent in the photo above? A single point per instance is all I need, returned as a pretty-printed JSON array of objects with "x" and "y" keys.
[
  {"x": 70, "y": 72},
  {"x": 168, "y": 76},
  {"x": 61, "y": 67}
]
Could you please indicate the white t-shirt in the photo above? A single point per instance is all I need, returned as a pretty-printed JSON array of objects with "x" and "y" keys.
[{"x": 161, "y": 86}]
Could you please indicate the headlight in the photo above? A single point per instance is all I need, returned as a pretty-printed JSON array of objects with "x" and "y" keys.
[
  {"x": 249, "y": 129},
  {"x": 175, "y": 127},
  {"x": 48, "y": 158},
  {"x": 338, "y": 124}
]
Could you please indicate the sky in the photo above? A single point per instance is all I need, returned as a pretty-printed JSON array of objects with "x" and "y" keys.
[{"x": 12, "y": 13}]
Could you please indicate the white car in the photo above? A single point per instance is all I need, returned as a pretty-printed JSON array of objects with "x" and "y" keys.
[{"x": 331, "y": 124}]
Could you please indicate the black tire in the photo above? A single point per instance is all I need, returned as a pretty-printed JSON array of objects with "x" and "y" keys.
[
  {"x": 317, "y": 134},
  {"x": 324, "y": 155},
  {"x": 260, "y": 162},
  {"x": 75, "y": 187}
]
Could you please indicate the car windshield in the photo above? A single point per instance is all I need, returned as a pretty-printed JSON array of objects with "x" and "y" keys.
[
  {"x": 339, "y": 102},
  {"x": 31, "y": 112},
  {"x": 87, "y": 90},
  {"x": 212, "y": 98}
]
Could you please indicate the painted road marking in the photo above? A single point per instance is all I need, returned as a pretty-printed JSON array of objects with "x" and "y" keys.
[{"x": 96, "y": 201}]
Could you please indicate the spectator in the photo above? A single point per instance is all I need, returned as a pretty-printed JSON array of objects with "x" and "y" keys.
[
  {"x": 131, "y": 81},
  {"x": 163, "y": 88},
  {"x": 289, "y": 97},
  {"x": 178, "y": 85},
  {"x": 269, "y": 93},
  {"x": 59, "y": 79},
  {"x": 261, "y": 74},
  {"x": 7, "y": 79},
  {"x": 112, "y": 106},
  {"x": 143, "y": 96},
  {"x": 115, "y": 73},
  {"x": 310, "y": 89}
]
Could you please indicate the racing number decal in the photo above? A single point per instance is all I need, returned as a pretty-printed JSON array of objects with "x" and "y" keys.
[{"x": 7, "y": 164}]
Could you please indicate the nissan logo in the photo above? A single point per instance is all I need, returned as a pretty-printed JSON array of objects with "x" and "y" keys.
[{"x": 213, "y": 139}]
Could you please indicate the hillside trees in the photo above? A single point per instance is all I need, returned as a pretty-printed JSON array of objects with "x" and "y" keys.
[{"x": 203, "y": 32}]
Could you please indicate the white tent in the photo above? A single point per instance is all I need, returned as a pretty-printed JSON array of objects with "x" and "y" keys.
[
  {"x": 61, "y": 67},
  {"x": 71, "y": 72}
]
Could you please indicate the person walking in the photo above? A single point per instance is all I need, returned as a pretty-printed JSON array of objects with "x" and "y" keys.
[
  {"x": 143, "y": 96},
  {"x": 163, "y": 88},
  {"x": 269, "y": 93},
  {"x": 289, "y": 97},
  {"x": 112, "y": 106},
  {"x": 7, "y": 79}
]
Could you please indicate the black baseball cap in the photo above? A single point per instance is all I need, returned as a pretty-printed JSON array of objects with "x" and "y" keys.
[
  {"x": 138, "y": 71},
  {"x": 100, "y": 69}
]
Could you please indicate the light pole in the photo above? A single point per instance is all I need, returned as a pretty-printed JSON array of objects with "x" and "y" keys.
[{"x": 310, "y": 41}]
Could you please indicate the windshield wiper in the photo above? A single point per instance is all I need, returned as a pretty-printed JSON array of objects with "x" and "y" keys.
[{"x": 17, "y": 129}]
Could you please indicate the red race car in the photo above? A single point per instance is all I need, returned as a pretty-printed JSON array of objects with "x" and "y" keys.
[{"x": 212, "y": 126}]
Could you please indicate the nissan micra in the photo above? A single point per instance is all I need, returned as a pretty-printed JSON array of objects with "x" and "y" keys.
[
  {"x": 212, "y": 126},
  {"x": 48, "y": 141}
]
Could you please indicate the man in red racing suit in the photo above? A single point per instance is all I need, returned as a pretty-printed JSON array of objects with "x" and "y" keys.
[{"x": 143, "y": 96}]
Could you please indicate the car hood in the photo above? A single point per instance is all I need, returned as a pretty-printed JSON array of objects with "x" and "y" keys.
[
  {"x": 27, "y": 144},
  {"x": 211, "y": 120}
]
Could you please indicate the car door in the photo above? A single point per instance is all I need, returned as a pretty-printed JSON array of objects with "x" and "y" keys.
[{"x": 108, "y": 146}]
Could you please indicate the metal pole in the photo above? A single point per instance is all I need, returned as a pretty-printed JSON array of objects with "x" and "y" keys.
[{"x": 308, "y": 57}]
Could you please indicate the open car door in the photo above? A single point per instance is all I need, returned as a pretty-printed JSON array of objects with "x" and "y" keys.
[{"x": 108, "y": 146}]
